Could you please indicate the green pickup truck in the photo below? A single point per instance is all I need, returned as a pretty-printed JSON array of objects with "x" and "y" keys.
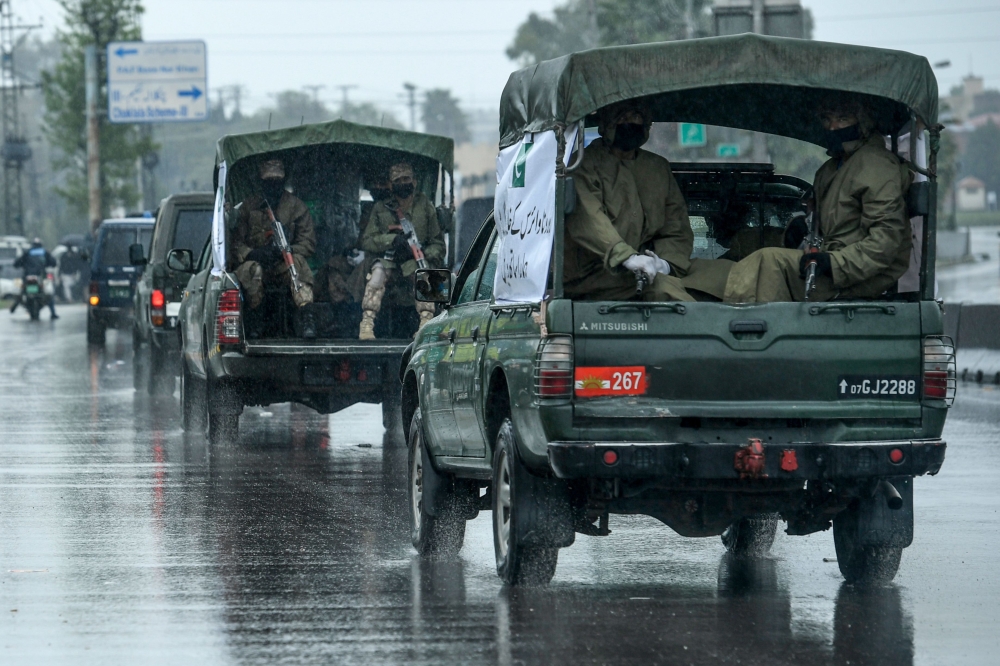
[{"x": 715, "y": 418}]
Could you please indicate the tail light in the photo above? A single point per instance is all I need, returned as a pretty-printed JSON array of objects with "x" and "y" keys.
[
  {"x": 94, "y": 293},
  {"x": 939, "y": 369},
  {"x": 157, "y": 305},
  {"x": 554, "y": 367},
  {"x": 228, "y": 321}
]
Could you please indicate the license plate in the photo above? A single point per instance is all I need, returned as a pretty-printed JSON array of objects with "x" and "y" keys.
[
  {"x": 878, "y": 387},
  {"x": 620, "y": 380},
  {"x": 31, "y": 289},
  {"x": 119, "y": 292}
]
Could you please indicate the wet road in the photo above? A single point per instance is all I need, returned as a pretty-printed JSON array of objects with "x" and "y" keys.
[{"x": 123, "y": 541}]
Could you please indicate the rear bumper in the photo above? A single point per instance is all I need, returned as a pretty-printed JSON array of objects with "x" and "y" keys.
[
  {"x": 112, "y": 317},
  {"x": 322, "y": 370},
  {"x": 643, "y": 460}
]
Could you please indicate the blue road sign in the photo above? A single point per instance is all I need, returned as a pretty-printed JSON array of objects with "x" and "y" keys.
[{"x": 157, "y": 82}]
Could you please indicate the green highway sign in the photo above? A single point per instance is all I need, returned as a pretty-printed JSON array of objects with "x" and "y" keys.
[
  {"x": 691, "y": 135},
  {"x": 728, "y": 150}
]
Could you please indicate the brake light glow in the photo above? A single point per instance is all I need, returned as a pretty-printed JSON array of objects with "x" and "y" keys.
[
  {"x": 554, "y": 367},
  {"x": 95, "y": 299},
  {"x": 229, "y": 323},
  {"x": 157, "y": 303},
  {"x": 939, "y": 369}
]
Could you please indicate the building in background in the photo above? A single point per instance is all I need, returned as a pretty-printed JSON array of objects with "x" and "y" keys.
[
  {"x": 778, "y": 18},
  {"x": 970, "y": 195}
]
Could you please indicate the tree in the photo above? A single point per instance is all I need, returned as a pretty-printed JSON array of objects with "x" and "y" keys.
[
  {"x": 442, "y": 116},
  {"x": 982, "y": 156},
  {"x": 584, "y": 24},
  {"x": 92, "y": 22},
  {"x": 367, "y": 113}
]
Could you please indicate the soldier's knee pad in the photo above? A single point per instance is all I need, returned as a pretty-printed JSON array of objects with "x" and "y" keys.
[{"x": 377, "y": 277}]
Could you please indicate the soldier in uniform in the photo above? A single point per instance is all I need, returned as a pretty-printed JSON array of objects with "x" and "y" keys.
[
  {"x": 257, "y": 257},
  {"x": 631, "y": 217},
  {"x": 866, "y": 239},
  {"x": 393, "y": 263}
]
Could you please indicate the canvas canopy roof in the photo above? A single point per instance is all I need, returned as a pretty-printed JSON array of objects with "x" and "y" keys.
[
  {"x": 236, "y": 147},
  {"x": 752, "y": 82}
]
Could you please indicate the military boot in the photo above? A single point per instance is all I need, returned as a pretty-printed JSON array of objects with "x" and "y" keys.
[{"x": 367, "y": 331}]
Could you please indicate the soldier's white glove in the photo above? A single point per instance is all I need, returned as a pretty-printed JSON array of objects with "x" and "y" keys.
[
  {"x": 640, "y": 262},
  {"x": 356, "y": 257},
  {"x": 661, "y": 264}
]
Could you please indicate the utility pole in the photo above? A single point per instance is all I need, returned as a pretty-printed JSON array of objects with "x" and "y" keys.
[
  {"x": 344, "y": 103},
  {"x": 314, "y": 91},
  {"x": 760, "y": 155},
  {"x": 689, "y": 20},
  {"x": 93, "y": 138},
  {"x": 15, "y": 150},
  {"x": 411, "y": 90}
]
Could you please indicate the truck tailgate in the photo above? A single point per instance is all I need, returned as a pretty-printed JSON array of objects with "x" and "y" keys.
[{"x": 775, "y": 360}]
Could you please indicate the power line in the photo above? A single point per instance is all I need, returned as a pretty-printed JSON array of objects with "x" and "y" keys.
[{"x": 897, "y": 15}]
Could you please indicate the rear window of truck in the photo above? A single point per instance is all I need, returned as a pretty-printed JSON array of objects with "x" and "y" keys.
[{"x": 191, "y": 230}]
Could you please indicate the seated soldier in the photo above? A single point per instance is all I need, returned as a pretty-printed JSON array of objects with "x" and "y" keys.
[
  {"x": 258, "y": 258},
  {"x": 864, "y": 229},
  {"x": 393, "y": 259},
  {"x": 630, "y": 218}
]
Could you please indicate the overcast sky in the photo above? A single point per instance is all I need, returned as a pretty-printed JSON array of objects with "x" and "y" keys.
[{"x": 377, "y": 45}]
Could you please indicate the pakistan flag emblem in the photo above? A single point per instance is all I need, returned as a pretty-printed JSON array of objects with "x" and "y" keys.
[{"x": 520, "y": 165}]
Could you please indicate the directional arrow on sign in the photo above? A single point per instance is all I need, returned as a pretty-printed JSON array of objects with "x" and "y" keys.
[
  {"x": 843, "y": 386},
  {"x": 194, "y": 93},
  {"x": 122, "y": 52}
]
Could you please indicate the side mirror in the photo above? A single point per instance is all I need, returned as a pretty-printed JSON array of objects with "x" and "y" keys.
[
  {"x": 433, "y": 285},
  {"x": 180, "y": 260},
  {"x": 136, "y": 254}
]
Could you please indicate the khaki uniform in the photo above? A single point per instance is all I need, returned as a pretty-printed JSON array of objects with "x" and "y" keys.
[
  {"x": 624, "y": 207},
  {"x": 377, "y": 240},
  {"x": 865, "y": 230},
  {"x": 254, "y": 230}
]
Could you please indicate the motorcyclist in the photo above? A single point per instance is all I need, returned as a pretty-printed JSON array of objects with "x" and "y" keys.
[{"x": 35, "y": 262}]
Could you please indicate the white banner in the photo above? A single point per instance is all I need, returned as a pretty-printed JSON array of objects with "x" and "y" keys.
[
  {"x": 219, "y": 225},
  {"x": 525, "y": 211}
]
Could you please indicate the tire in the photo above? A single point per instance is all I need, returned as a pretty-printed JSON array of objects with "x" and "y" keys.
[
  {"x": 160, "y": 382},
  {"x": 34, "y": 309},
  {"x": 432, "y": 535},
  {"x": 862, "y": 565},
  {"x": 392, "y": 412},
  {"x": 751, "y": 537},
  {"x": 223, "y": 428},
  {"x": 517, "y": 564},
  {"x": 95, "y": 332},
  {"x": 140, "y": 364},
  {"x": 193, "y": 395}
]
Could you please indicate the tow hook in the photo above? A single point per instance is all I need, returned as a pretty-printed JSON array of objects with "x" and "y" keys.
[{"x": 749, "y": 461}]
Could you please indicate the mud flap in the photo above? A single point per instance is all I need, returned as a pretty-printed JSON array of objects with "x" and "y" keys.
[
  {"x": 878, "y": 525},
  {"x": 544, "y": 510},
  {"x": 443, "y": 492}
]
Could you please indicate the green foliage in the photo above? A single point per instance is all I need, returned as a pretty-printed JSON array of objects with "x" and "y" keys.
[
  {"x": 982, "y": 156},
  {"x": 442, "y": 116},
  {"x": 90, "y": 22},
  {"x": 584, "y": 24}
]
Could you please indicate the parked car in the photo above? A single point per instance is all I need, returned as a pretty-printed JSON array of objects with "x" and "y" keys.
[
  {"x": 113, "y": 276},
  {"x": 224, "y": 369},
  {"x": 184, "y": 222},
  {"x": 714, "y": 418},
  {"x": 10, "y": 277}
]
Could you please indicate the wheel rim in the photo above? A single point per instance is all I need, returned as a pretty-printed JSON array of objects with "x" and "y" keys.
[
  {"x": 501, "y": 516},
  {"x": 416, "y": 485}
]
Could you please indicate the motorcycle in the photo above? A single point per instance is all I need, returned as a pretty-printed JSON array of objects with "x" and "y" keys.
[{"x": 35, "y": 294}]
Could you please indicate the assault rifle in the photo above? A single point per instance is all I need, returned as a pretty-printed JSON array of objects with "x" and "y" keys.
[
  {"x": 813, "y": 243},
  {"x": 281, "y": 240},
  {"x": 641, "y": 280},
  {"x": 411, "y": 239}
]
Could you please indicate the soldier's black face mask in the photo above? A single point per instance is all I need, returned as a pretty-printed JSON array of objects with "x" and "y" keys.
[
  {"x": 402, "y": 190},
  {"x": 629, "y": 136},
  {"x": 273, "y": 189},
  {"x": 835, "y": 139}
]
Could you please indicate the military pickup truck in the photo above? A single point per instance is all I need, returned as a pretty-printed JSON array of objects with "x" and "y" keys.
[
  {"x": 223, "y": 368},
  {"x": 715, "y": 418}
]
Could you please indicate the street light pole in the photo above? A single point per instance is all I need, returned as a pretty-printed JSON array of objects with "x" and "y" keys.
[{"x": 93, "y": 138}]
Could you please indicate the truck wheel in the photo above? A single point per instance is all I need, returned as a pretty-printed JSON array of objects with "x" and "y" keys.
[
  {"x": 223, "y": 428},
  {"x": 192, "y": 402},
  {"x": 140, "y": 364},
  {"x": 751, "y": 537},
  {"x": 160, "y": 381},
  {"x": 95, "y": 332},
  {"x": 392, "y": 413},
  {"x": 444, "y": 532},
  {"x": 517, "y": 564},
  {"x": 862, "y": 565}
]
